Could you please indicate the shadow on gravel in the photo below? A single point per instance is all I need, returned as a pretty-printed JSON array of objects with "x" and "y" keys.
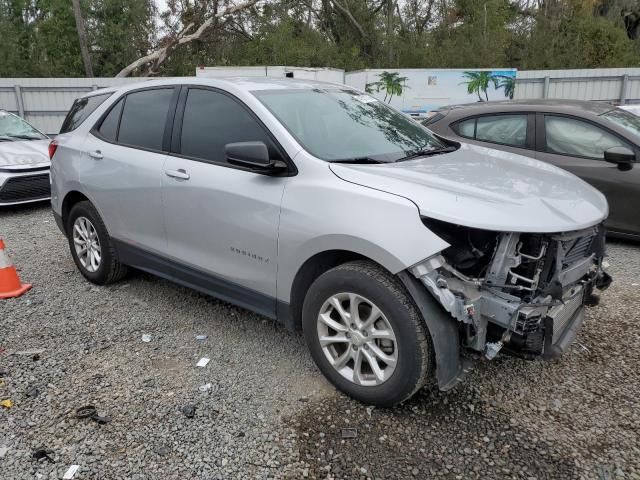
[{"x": 452, "y": 436}]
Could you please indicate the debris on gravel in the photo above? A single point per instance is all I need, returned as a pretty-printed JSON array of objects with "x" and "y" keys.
[{"x": 267, "y": 412}]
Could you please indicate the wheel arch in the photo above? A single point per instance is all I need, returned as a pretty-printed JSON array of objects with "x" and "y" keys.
[
  {"x": 70, "y": 199},
  {"x": 308, "y": 272}
]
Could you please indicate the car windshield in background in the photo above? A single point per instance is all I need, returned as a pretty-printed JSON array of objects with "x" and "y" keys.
[
  {"x": 13, "y": 128},
  {"x": 626, "y": 120},
  {"x": 345, "y": 125}
]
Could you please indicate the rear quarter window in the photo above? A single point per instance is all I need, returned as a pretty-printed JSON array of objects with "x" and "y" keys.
[{"x": 80, "y": 110}]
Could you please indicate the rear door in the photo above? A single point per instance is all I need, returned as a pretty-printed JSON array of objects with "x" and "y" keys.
[
  {"x": 222, "y": 220},
  {"x": 126, "y": 152},
  {"x": 511, "y": 132},
  {"x": 578, "y": 146}
]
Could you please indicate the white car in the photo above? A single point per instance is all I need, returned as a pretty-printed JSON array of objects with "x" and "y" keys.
[
  {"x": 24, "y": 162},
  {"x": 635, "y": 109}
]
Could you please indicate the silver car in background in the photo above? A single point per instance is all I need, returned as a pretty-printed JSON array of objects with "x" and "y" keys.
[
  {"x": 24, "y": 161},
  {"x": 324, "y": 208}
]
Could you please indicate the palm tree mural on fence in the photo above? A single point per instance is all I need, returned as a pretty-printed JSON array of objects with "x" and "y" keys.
[
  {"x": 478, "y": 83},
  {"x": 508, "y": 84},
  {"x": 390, "y": 82}
]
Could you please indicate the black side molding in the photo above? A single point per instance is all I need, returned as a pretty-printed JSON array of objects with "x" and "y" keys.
[{"x": 196, "y": 279}]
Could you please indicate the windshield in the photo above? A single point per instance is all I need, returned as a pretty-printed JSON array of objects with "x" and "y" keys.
[
  {"x": 626, "y": 120},
  {"x": 343, "y": 125},
  {"x": 14, "y": 128}
]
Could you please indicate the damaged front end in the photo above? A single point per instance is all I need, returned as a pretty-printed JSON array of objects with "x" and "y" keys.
[{"x": 520, "y": 293}]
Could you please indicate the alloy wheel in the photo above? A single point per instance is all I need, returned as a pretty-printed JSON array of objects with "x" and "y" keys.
[
  {"x": 357, "y": 339},
  {"x": 87, "y": 244}
]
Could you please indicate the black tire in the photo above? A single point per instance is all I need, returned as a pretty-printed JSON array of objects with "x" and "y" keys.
[
  {"x": 415, "y": 362},
  {"x": 110, "y": 269}
]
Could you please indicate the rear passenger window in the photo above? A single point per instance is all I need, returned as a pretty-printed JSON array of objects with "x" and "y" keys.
[
  {"x": 80, "y": 110},
  {"x": 143, "y": 118},
  {"x": 211, "y": 120},
  {"x": 502, "y": 129},
  {"x": 109, "y": 127}
]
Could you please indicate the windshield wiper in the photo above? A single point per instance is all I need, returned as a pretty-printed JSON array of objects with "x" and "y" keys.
[
  {"x": 358, "y": 160},
  {"x": 427, "y": 153},
  {"x": 25, "y": 137}
]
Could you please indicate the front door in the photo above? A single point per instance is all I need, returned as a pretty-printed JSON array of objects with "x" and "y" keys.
[
  {"x": 221, "y": 220},
  {"x": 578, "y": 146}
]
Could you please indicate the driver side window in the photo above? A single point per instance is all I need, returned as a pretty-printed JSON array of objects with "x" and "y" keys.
[
  {"x": 569, "y": 136},
  {"x": 213, "y": 119}
]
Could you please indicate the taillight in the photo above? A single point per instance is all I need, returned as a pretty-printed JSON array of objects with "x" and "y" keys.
[{"x": 53, "y": 146}]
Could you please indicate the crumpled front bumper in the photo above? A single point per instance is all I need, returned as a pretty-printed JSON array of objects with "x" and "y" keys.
[{"x": 532, "y": 326}]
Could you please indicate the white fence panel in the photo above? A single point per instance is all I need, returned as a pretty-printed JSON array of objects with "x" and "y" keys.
[{"x": 616, "y": 85}]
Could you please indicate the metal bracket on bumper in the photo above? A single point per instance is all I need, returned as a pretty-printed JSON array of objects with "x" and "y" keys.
[{"x": 555, "y": 350}]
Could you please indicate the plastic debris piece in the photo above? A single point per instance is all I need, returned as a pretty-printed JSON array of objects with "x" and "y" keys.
[
  {"x": 202, "y": 362},
  {"x": 201, "y": 337},
  {"x": 3, "y": 452},
  {"x": 90, "y": 411},
  {"x": 86, "y": 411},
  {"x": 189, "y": 410},
  {"x": 205, "y": 388},
  {"x": 71, "y": 471},
  {"x": 32, "y": 392},
  {"x": 33, "y": 351},
  {"x": 163, "y": 450},
  {"x": 6, "y": 403},
  {"x": 146, "y": 338},
  {"x": 349, "y": 432},
  {"x": 43, "y": 454}
]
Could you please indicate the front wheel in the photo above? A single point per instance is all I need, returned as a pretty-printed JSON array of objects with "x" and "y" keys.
[{"x": 366, "y": 335}]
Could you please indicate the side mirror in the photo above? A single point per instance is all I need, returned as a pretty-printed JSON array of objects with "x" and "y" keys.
[
  {"x": 621, "y": 156},
  {"x": 248, "y": 154}
]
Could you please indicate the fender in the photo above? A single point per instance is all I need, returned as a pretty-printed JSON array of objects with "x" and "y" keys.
[{"x": 450, "y": 366}]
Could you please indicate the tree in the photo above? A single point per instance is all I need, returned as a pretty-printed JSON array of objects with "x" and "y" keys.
[
  {"x": 159, "y": 55},
  {"x": 82, "y": 38},
  {"x": 479, "y": 82}
]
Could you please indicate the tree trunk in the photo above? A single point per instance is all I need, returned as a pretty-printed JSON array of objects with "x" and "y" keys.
[
  {"x": 82, "y": 37},
  {"x": 390, "y": 7}
]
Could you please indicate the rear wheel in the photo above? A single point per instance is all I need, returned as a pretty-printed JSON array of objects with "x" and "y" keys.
[
  {"x": 91, "y": 246},
  {"x": 366, "y": 335}
]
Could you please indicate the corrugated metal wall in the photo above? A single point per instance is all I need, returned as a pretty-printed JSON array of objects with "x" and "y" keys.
[
  {"x": 44, "y": 102},
  {"x": 617, "y": 85}
]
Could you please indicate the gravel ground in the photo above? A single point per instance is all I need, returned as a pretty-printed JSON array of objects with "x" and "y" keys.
[{"x": 269, "y": 413}]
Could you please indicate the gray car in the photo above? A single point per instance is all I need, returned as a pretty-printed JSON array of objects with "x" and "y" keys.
[
  {"x": 324, "y": 208},
  {"x": 24, "y": 162},
  {"x": 596, "y": 141}
]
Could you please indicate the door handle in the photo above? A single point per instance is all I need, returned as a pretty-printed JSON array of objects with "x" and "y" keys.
[
  {"x": 180, "y": 174},
  {"x": 96, "y": 154}
]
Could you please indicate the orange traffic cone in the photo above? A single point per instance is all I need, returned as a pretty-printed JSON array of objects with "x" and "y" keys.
[{"x": 10, "y": 285}]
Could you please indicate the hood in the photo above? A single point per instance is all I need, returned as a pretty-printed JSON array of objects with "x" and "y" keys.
[
  {"x": 488, "y": 189},
  {"x": 24, "y": 154}
]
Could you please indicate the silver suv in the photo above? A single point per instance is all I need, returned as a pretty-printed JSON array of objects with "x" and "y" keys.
[{"x": 394, "y": 250}]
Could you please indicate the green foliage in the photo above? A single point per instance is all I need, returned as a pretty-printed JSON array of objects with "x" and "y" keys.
[{"x": 40, "y": 38}]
